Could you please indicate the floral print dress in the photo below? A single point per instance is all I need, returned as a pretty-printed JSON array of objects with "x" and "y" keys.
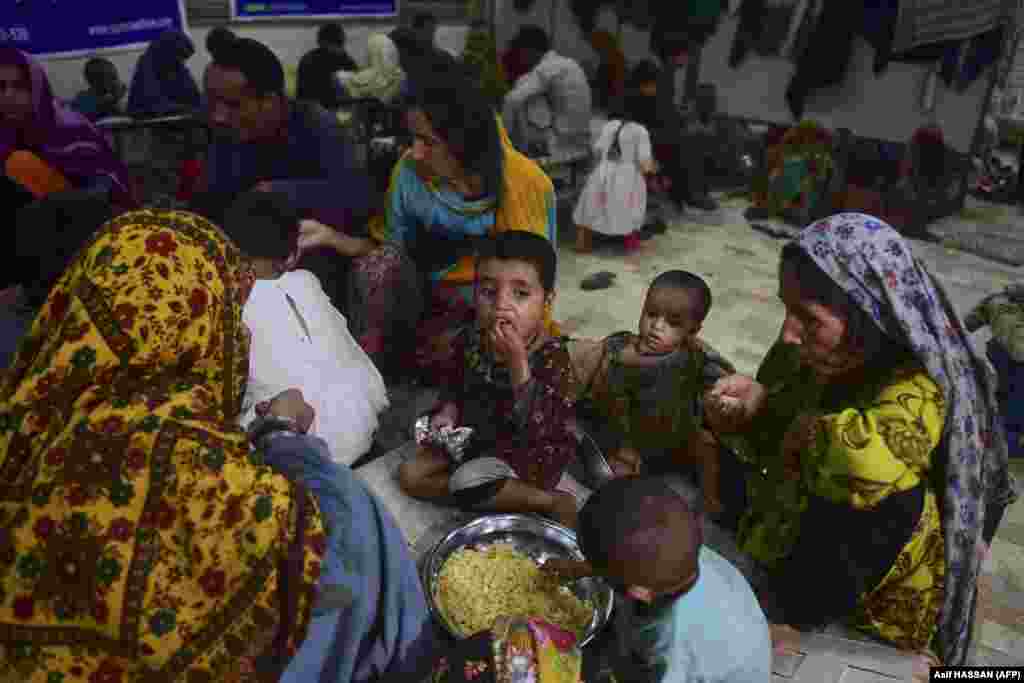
[{"x": 140, "y": 537}]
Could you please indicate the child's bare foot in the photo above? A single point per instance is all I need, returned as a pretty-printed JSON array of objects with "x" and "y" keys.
[{"x": 564, "y": 510}]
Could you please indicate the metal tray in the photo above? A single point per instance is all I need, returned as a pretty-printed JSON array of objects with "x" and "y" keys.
[{"x": 535, "y": 537}]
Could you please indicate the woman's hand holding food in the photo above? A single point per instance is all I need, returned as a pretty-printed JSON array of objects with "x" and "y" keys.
[{"x": 733, "y": 402}]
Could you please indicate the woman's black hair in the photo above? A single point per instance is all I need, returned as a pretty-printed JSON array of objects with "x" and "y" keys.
[
  {"x": 461, "y": 113},
  {"x": 520, "y": 245},
  {"x": 862, "y": 332}
]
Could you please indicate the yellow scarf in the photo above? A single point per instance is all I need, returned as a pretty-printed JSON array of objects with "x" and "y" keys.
[
  {"x": 527, "y": 203},
  {"x": 138, "y": 534}
]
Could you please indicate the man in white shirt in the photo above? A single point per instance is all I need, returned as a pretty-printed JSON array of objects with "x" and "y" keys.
[
  {"x": 548, "y": 111},
  {"x": 299, "y": 339}
]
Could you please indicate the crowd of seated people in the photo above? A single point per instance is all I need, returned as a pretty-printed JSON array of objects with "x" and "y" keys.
[{"x": 184, "y": 395}]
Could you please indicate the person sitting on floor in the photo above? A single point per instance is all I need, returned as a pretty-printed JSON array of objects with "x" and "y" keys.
[
  {"x": 317, "y": 67},
  {"x": 869, "y": 448},
  {"x": 299, "y": 339},
  {"x": 102, "y": 98},
  {"x": 548, "y": 111},
  {"x": 515, "y": 389},
  {"x": 263, "y": 140},
  {"x": 46, "y": 148},
  {"x": 162, "y": 84},
  {"x": 645, "y": 389},
  {"x": 461, "y": 181},
  {"x": 614, "y": 198},
  {"x": 691, "y": 615}
]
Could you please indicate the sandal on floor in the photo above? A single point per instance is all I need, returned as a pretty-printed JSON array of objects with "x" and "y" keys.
[{"x": 602, "y": 280}]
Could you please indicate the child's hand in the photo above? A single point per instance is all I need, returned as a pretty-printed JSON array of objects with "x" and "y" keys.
[
  {"x": 508, "y": 345},
  {"x": 446, "y": 416}
]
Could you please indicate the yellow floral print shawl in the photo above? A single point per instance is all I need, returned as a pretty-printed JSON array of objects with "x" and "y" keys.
[{"x": 140, "y": 539}]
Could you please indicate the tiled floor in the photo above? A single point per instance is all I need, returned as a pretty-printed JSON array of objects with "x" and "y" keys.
[{"x": 740, "y": 265}]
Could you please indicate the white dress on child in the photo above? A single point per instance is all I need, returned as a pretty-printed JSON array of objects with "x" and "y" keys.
[
  {"x": 301, "y": 341},
  {"x": 614, "y": 198}
]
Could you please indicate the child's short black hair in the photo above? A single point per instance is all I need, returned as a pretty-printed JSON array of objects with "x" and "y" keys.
[
  {"x": 331, "y": 34},
  {"x": 263, "y": 225},
  {"x": 97, "y": 70},
  {"x": 520, "y": 245},
  {"x": 532, "y": 37},
  {"x": 640, "y": 520},
  {"x": 688, "y": 282}
]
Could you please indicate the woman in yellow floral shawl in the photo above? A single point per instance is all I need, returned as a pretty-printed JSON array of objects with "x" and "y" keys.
[
  {"x": 139, "y": 537},
  {"x": 461, "y": 182}
]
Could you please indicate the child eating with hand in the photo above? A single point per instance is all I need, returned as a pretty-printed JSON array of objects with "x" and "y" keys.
[
  {"x": 645, "y": 389},
  {"x": 514, "y": 388},
  {"x": 688, "y": 613}
]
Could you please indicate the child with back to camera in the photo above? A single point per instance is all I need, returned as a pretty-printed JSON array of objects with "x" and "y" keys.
[
  {"x": 514, "y": 388},
  {"x": 614, "y": 198},
  {"x": 645, "y": 388},
  {"x": 299, "y": 339},
  {"x": 688, "y": 614}
]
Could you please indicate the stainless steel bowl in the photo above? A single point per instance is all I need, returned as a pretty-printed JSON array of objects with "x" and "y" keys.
[{"x": 536, "y": 538}]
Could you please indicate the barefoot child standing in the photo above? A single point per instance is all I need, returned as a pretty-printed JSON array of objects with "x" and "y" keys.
[{"x": 614, "y": 198}]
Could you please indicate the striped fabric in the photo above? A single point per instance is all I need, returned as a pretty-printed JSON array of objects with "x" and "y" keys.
[{"x": 924, "y": 22}]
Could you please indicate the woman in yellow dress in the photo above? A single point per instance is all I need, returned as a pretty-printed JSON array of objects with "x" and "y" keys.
[
  {"x": 141, "y": 536},
  {"x": 878, "y": 467}
]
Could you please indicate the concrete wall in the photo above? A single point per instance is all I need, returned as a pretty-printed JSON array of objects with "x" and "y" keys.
[
  {"x": 290, "y": 40},
  {"x": 886, "y": 107}
]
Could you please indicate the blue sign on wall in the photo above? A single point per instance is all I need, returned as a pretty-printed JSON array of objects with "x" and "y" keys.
[
  {"x": 52, "y": 27},
  {"x": 312, "y": 9}
]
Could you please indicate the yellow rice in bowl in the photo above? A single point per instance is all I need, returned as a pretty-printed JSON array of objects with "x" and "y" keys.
[{"x": 475, "y": 587}]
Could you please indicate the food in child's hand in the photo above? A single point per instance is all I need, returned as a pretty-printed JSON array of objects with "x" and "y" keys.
[{"x": 475, "y": 587}]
